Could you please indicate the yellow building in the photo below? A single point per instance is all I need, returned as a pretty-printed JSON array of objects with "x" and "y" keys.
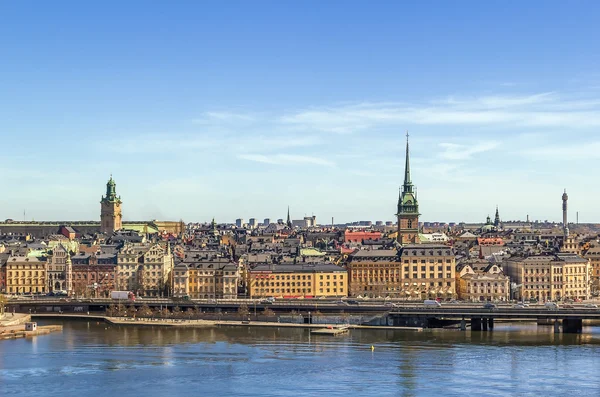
[
  {"x": 550, "y": 277},
  {"x": 375, "y": 273},
  {"x": 25, "y": 275},
  {"x": 593, "y": 255},
  {"x": 208, "y": 276},
  {"x": 428, "y": 271},
  {"x": 297, "y": 281},
  {"x": 181, "y": 277}
]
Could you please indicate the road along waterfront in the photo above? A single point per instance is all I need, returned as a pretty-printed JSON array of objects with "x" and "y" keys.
[{"x": 92, "y": 357}]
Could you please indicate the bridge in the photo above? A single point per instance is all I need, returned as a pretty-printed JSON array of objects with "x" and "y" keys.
[{"x": 483, "y": 319}]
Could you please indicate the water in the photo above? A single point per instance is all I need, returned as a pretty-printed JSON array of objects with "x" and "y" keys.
[{"x": 90, "y": 359}]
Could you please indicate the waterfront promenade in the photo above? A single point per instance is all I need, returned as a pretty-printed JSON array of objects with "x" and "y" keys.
[{"x": 201, "y": 323}]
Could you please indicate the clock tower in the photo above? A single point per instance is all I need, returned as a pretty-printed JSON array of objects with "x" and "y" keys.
[
  {"x": 408, "y": 207},
  {"x": 110, "y": 209}
]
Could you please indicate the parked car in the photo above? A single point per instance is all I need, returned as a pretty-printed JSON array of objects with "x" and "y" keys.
[
  {"x": 266, "y": 302},
  {"x": 432, "y": 304},
  {"x": 352, "y": 302},
  {"x": 590, "y": 306},
  {"x": 551, "y": 306},
  {"x": 489, "y": 306},
  {"x": 519, "y": 306}
]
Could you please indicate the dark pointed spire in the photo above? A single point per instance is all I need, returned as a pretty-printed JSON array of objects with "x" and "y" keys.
[
  {"x": 407, "y": 181},
  {"x": 289, "y": 220},
  {"x": 497, "y": 217}
]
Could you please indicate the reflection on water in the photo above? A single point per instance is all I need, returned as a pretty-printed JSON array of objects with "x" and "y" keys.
[{"x": 93, "y": 358}]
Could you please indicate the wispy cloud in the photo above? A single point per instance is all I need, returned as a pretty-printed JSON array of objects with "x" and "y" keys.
[
  {"x": 577, "y": 151},
  {"x": 286, "y": 159},
  {"x": 225, "y": 117},
  {"x": 546, "y": 109},
  {"x": 454, "y": 151}
]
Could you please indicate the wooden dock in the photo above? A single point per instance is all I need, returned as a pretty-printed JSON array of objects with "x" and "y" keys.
[{"x": 333, "y": 331}]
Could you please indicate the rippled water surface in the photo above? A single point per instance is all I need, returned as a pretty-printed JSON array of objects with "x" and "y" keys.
[{"x": 91, "y": 359}]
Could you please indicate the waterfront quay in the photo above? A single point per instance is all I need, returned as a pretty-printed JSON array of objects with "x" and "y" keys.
[{"x": 367, "y": 313}]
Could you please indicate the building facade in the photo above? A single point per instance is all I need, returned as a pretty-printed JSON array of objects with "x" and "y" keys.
[
  {"x": 549, "y": 277},
  {"x": 92, "y": 275},
  {"x": 297, "y": 281},
  {"x": 489, "y": 284},
  {"x": 154, "y": 271},
  {"x": 593, "y": 256},
  {"x": 26, "y": 275},
  {"x": 209, "y": 276},
  {"x": 57, "y": 271},
  {"x": 375, "y": 273},
  {"x": 428, "y": 271},
  {"x": 110, "y": 209}
]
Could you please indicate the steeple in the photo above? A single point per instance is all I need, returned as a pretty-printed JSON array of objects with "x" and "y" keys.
[
  {"x": 289, "y": 220},
  {"x": 565, "y": 199},
  {"x": 407, "y": 187},
  {"x": 497, "y": 218},
  {"x": 213, "y": 228},
  {"x": 111, "y": 191},
  {"x": 408, "y": 207}
]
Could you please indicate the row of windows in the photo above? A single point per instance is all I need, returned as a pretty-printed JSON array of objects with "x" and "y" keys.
[
  {"x": 19, "y": 290},
  {"x": 25, "y": 273},
  {"x": 263, "y": 291},
  {"x": 482, "y": 284},
  {"x": 28, "y": 281}
]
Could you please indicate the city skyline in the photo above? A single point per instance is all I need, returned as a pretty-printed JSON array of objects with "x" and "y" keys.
[{"x": 196, "y": 121}]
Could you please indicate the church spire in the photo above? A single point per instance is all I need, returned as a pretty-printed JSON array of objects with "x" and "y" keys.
[
  {"x": 408, "y": 207},
  {"x": 497, "y": 218},
  {"x": 407, "y": 181},
  {"x": 289, "y": 220}
]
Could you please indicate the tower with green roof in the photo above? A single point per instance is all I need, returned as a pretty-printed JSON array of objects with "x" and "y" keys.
[
  {"x": 110, "y": 209},
  {"x": 408, "y": 207}
]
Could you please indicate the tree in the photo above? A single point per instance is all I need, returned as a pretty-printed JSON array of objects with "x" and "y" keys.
[
  {"x": 165, "y": 313},
  {"x": 243, "y": 310},
  {"x": 177, "y": 311},
  {"x": 268, "y": 312},
  {"x": 191, "y": 312},
  {"x": 144, "y": 311},
  {"x": 2, "y": 304},
  {"x": 130, "y": 311},
  {"x": 111, "y": 310}
]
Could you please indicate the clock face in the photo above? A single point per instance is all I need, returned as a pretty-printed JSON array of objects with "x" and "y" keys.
[{"x": 409, "y": 202}]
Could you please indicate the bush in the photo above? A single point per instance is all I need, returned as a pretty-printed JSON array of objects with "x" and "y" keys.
[
  {"x": 243, "y": 310},
  {"x": 144, "y": 311},
  {"x": 268, "y": 312}
]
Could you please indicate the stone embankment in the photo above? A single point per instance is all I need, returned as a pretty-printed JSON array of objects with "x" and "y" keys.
[
  {"x": 12, "y": 326},
  {"x": 183, "y": 323}
]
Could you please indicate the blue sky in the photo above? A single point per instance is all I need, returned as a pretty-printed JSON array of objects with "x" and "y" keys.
[{"x": 239, "y": 109}]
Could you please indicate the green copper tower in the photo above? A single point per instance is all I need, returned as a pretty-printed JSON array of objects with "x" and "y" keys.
[{"x": 408, "y": 207}]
